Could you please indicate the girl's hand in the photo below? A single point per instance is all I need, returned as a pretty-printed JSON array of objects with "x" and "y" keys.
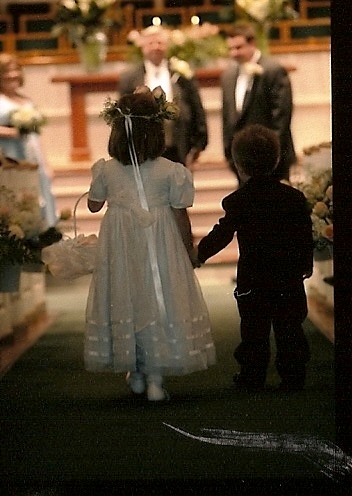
[{"x": 193, "y": 255}]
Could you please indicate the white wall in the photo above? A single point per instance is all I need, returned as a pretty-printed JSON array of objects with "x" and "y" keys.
[{"x": 311, "y": 122}]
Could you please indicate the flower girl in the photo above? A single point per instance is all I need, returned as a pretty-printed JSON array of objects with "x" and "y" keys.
[{"x": 145, "y": 312}]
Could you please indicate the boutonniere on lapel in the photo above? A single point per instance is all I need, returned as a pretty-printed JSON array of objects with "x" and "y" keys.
[
  {"x": 252, "y": 69},
  {"x": 180, "y": 68}
]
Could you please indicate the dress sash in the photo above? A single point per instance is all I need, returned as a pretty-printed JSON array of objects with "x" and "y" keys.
[{"x": 149, "y": 229}]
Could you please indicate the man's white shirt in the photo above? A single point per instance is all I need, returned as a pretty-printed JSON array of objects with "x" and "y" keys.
[{"x": 158, "y": 76}]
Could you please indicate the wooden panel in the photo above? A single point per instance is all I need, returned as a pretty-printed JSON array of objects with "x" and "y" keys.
[
  {"x": 171, "y": 17},
  {"x": 6, "y": 24},
  {"x": 299, "y": 30},
  {"x": 36, "y": 42},
  {"x": 16, "y": 10},
  {"x": 7, "y": 43},
  {"x": 312, "y": 9},
  {"x": 213, "y": 14},
  {"x": 36, "y": 23}
]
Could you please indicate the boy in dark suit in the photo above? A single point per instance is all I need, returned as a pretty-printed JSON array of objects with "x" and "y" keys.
[{"x": 274, "y": 234}]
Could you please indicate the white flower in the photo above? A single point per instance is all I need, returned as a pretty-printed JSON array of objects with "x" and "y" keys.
[
  {"x": 258, "y": 9},
  {"x": 252, "y": 69},
  {"x": 202, "y": 31},
  {"x": 104, "y": 4},
  {"x": 27, "y": 119},
  {"x": 69, "y": 4},
  {"x": 181, "y": 67},
  {"x": 177, "y": 37},
  {"x": 20, "y": 213},
  {"x": 318, "y": 190},
  {"x": 16, "y": 230},
  {"x": 262, "y": 10},
  {"x": 134, "y": 37},
  {"x": 194, "y": 44}
]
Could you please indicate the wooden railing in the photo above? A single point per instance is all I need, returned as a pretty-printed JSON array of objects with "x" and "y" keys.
[{"x": 33, "y": 42}]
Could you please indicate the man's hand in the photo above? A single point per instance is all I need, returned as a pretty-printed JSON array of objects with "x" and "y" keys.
[{"x": 192, "y": 156}]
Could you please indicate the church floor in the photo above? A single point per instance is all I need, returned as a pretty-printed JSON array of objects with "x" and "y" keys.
[
  {"x": 13, "y": 347},
  {"x": 65, "y": 431}
]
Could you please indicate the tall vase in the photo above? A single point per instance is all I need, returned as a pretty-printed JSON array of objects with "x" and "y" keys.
[
  {"x": 10, "y": 275},
  {"x": 92, "y": 51},
  {"x": 263, "y": 36}
]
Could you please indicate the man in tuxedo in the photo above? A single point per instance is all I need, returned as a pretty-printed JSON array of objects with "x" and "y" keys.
[
  {"x": 187, "y": 136},
  {"x": 256, "y": 90}
]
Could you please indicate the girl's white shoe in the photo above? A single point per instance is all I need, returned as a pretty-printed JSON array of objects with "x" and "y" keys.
[
  {"x": 155, "y": 390},
  {"x": 136, "y": 382}
]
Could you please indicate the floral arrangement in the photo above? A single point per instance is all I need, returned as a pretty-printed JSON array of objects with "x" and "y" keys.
[
  {"x": 196, "y": 44},
  {"x": 266, "y": 10},
  {"x": 167, "y": 110},
  {"x": 22, "y": 230},
  {"x": 27, "y": 120},
  {"x": 262, "y": 13},
  {"x": 318, "y": 190},
  {"x": 80, "y": 19}
]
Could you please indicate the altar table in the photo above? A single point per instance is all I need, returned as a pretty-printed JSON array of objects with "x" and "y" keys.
[{"x": 81, "y": 84}]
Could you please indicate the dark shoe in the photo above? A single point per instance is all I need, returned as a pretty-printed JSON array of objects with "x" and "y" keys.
[
  {"x": 286, "y": 387},
  {"x": 244, "y": 384}
]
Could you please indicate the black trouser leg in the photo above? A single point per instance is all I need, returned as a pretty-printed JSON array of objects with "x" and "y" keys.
[
  {"x": 253, "y": 353},
  {"x": 292, "y": 347}
]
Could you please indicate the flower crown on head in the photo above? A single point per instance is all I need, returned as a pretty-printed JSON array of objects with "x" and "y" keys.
[{"x": 167, "y": 110}]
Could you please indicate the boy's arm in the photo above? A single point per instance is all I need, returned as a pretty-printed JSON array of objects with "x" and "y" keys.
[
  {"x": 223, "y": 232},
  {"x": 217, "y": 239},
  {"x": 309, "y": 243}
]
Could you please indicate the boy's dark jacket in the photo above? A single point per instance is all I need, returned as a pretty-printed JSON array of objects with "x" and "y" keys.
[{"x": 274, "y": 233}]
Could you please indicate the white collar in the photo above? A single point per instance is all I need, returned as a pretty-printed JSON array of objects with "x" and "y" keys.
[{"x": 151, "y": 68}]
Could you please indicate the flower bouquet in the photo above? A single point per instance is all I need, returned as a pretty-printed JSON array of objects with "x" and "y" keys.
[
  {"x": 196, "y": 45},
  {"x": 27, "y": 120}
]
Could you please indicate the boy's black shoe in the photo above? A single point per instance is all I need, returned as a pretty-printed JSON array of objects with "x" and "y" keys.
[
  {"x": 287, "y": 387},
  {"x": 244, "y": 384}
]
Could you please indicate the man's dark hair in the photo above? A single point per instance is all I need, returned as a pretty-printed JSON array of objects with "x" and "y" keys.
[
  {"x": 256, "y": 150},
  {"x": 241, "y": 28}
]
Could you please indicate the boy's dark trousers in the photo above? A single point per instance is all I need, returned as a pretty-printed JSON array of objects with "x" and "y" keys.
[{"x": 284, "y": 310}]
